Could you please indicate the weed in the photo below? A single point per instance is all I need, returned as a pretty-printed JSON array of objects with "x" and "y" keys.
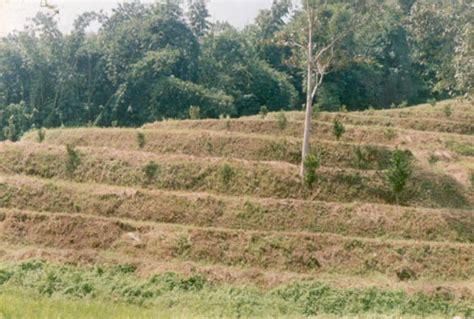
[
  {"x": 311, "y": 164},
  {"x": 194, "y": 112},
  {"x": 399, "y": 172},
  {"x": 389, "y": 133},
  {"x": 447, "y": 110},
  {"x": 141, "y": 139},
  {"x": 41, "y": 135},
  {"x": 316, "y": 111},
  {"x": 282, "y": 121},
  {"x": 433, "y": 159},
  {"x": 432, "y": 102},
  {"x": 403, "y": 104},
  {"x": 343, "y": 109},
  {"x": 73, "y": 159},
  {"x": 226, "y": 173},
  {"x": 338, "y": 128},
  {"x": 361, "y": 157},
  {"x": 183, "y": 245},
  {"x": 263, "y": 111},
  {"x": 466, "y": 149},
  {"x": 150, "y": 170}
]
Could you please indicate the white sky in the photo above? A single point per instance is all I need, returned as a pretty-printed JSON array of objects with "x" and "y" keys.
[{"x": 14, "y": 13}]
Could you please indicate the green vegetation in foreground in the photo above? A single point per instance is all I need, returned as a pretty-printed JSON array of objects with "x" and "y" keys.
[{"x": 49, "y": 291}]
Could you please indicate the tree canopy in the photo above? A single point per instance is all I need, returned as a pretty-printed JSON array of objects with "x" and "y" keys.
[{"x": 147, "y": 62}]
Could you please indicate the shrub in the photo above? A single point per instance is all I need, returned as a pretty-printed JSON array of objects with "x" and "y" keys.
[
  {"x": 194, "y": 112},
  {"x": 432, "y": 102},
  {"x": 361, "y": 157},
  {"x": 73, "y": 159},
  {"x": 343, "y": 109},
  {"x": 389, "y": 133},
  {"x": 41, "y": 135},
  {"x": 338, "y": 128},
  {"x": 282, "y": 121},
  {"x": 263, "y": 111},
  {"x": 448, "y": 111},
  {"x": 226, "y": 173},
  {"x": 311, "y": 164},
  {"x": 10, "y": 130},
  {"x": 399, "y": 172},
  {"x": 433, "y": 158},
  {"x": 316, "y": 111},
  {"x": 150, "y": 170},
  {"x": 403, "y": 104},
  {"x": 140, "y": 139}
]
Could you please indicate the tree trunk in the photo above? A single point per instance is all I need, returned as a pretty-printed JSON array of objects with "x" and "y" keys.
[{"x": 309, "y": 97}]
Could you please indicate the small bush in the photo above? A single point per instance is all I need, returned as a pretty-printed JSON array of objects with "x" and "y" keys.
[
  {"x": 194, "y": 112},
  {"x": 316, "y": 111},
  {"x": 432, "y": 102},
  {"x": 433, "y": 159},
  {"x": 282, "y": 121},
  {"x": 73, "y": 159},
  {"x": 361, "y": 157},
  {"x": 447, "y": 110},
  {"x": 41, "y": 135},
  {"x": 399, "y": 172},
  {"x": 311, "y": 164},
  {"x": 140, "y": 139},
  {"x": 226, "y": 173},
  {"x": 403, "y": 104},
  {"x": 343, "y": 109},
  {"x": 389, "y": 133},
  {"x": 150, "y": 170},
  {"x": 338, "y": 128},
  {"x": 263, "y": 111}
]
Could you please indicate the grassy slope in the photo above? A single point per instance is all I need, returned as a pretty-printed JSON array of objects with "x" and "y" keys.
[{"x": 233, "y": 219}]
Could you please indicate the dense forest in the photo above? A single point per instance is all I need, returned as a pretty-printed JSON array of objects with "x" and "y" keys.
[{"x": 147, "y": 62}]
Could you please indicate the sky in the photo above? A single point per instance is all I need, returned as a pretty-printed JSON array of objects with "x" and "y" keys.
[{"x": 15, "y": 13}]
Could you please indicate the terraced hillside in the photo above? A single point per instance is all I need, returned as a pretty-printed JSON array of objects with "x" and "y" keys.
[{"x": 210, "y": 217}]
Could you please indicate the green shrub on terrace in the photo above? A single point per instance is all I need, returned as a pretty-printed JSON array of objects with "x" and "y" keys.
[
  {"x": 141, "y": 139},
  {"x": 389, "y": 133},
  {"x": 150, "y": 170},
  {"x": 41, "y": 135},
  {"x": 282, "y": 121},
  {"x": 432, "y": 102},
  {"x": 338, "y": 128},
  {"x": 433, "y": 159},
  {"x": 194, "y": 112},
  {"x": 73, "y": 159},
  {"x": 263, "y": 111},
  {"x": 361, "y": 157},
  {"x": 311, "y": 164},
  {"x": 399, "y": 172},
  {"x": 447, "y": 110},
  {"x": 226, "y": 173}
]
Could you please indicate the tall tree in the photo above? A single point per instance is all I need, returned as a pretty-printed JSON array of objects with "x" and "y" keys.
[{"x": 197, "y": 17}]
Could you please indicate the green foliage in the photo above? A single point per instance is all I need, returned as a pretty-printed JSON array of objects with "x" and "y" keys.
[
  {"x": 150, "y": 171},
  {"x": 73, "y": 159},
  {"x": 311, "y": 164},
  {"x": 461, "y": 148},
  {"x": 263, "y": 111},
  {"x": 389, "y": 133},
  {"x": 10, "y": 131},
  {"x": 194, "y": 112},
  {"x": 433, "y": 159},
  {"x": 338, "y": 128},
  {"x": 432, "y": 102},
  {"x": 282, "y": 121},
  {"x": 361, "y": 157},
  {"x": 447, "y": 110},
  {"x": 226, "y": 173},
  {"x": 399, "y": 172},
  {"x": 141, "y": 140},
  {"x": 41, "y": 135}
]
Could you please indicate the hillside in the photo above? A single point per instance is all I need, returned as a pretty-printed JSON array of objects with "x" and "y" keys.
[{"x": 210, "y": 217}]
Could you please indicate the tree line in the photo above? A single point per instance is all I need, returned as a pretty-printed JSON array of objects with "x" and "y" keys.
[{"x": 147, "y": 62}]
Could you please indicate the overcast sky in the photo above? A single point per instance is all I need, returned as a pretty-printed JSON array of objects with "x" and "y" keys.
[{"x": 14, "y": 13}]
